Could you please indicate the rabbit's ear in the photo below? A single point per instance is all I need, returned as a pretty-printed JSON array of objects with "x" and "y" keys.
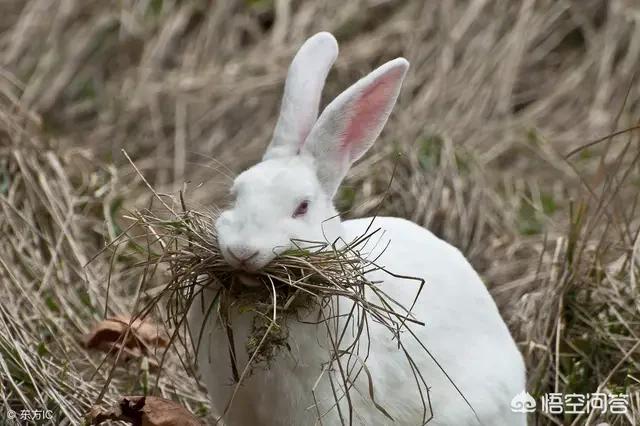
[
  {"x": 302, "y": 92},
  {"x": 351, "y": 123}
]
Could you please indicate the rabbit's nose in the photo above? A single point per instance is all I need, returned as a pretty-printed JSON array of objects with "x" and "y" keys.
[{"x": 242, "y": 256}]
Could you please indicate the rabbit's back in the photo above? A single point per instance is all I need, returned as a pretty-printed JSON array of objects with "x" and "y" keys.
[{"x": 464, "y": 333}]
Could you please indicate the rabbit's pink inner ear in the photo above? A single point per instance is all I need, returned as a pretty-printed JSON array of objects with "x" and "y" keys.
[{"x": 367, "y": 111}]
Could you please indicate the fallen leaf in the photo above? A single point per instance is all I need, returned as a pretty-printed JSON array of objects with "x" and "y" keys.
[
  {"x": 143, "y": 337},
  {"x": 145, "y": 411}
]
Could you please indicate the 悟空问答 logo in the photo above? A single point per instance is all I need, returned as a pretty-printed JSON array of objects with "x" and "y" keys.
[{"x": 523, "y": 403}]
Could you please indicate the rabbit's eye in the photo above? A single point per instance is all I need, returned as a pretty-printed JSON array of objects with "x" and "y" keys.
[{"x": 302, "y": 208}]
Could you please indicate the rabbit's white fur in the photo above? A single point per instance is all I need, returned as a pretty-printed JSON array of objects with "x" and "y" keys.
[{"x": 464, "y": 332}]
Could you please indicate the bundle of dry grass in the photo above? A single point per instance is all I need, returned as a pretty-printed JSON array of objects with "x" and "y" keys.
[{"x": 305, "y": 279}]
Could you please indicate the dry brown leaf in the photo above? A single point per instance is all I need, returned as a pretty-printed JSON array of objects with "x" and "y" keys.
[
  {"x": 108, "y": 336},
  {"x": 145, "y": 411}
]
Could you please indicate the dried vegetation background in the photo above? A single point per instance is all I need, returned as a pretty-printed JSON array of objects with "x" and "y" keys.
[{"x": 498, "y": 94}]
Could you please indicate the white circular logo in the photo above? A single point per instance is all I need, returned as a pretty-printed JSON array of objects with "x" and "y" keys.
[{"x": 523, "y": 403}]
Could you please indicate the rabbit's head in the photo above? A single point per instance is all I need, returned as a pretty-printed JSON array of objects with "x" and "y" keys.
[{"x": 288, "y": 196}]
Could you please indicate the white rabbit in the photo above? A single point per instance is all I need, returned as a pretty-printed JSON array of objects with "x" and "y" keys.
[{"x": 289, "y": 196}]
